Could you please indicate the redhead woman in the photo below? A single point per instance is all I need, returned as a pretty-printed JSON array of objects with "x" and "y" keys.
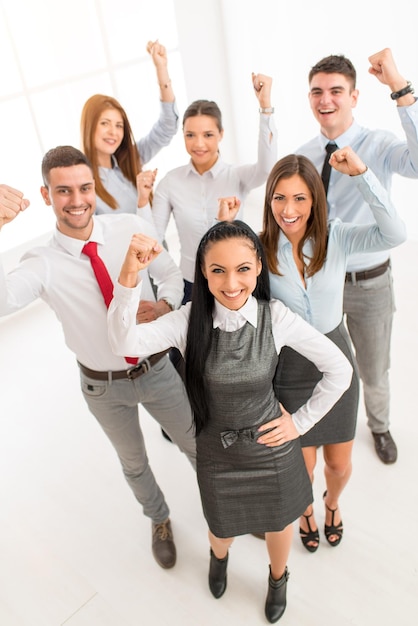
[{"x": 108, "y": 142}]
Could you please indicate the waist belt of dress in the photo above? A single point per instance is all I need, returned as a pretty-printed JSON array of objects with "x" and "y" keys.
[
  {"x": 131, "y": 373},
  {"x": 374, "y": 272}
]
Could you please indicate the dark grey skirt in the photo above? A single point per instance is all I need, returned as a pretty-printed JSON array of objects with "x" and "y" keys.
[
  {"x": 295, "y": 380},
  {"x": 248, "y": 488}
]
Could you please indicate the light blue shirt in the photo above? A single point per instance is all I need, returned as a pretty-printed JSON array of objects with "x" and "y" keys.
[
  {"x": 321, "y": 302},
  {"x": 192, "y": 198},
  {"x": 381, "y": 151},
  {"x": 124, "y": 192}
]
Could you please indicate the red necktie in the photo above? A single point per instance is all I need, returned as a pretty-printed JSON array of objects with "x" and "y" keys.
[{"x": 103, "y": 279}]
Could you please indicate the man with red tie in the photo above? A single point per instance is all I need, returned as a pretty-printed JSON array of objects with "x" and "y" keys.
[{"x": 64, "y": 276}]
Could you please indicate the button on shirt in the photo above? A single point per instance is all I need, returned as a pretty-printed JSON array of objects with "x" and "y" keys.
[
  {"x": 385, "y": 154},
  {"x": 63, "y": 277},
  {"x": 124, "y": 192},
  {"x": 321, "y": 302},
  {"x": 192, "y": 198},
  {"x": 288, "y": 329}
]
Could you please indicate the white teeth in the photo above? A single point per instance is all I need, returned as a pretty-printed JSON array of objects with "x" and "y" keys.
[
  {"x": 232, "y": 294},
  {"x": 77, "y": 212},
  {"x": 290, "y": 221}
]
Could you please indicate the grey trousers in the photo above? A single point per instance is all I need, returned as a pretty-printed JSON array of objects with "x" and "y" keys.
[
  {"x": 115, "y": 406},
  {"x": 369, "y": 306}
]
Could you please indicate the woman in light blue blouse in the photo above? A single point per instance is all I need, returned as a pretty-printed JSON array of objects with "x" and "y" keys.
[
  {"x": 307, "y": 258},
  {"x": 108, "y": 142}
]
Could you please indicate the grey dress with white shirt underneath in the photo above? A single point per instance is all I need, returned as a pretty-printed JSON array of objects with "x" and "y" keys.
[{"x": 245, "y": 486}]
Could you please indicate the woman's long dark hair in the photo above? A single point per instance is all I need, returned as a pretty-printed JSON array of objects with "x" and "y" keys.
[{"x": 200, "y": 321}]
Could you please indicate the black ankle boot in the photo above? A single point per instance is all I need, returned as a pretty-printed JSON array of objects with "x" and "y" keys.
[
  {"x": 217, "y": 575},
  {"x": 276, "y": 597}
]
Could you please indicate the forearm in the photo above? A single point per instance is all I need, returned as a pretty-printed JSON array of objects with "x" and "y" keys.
[{"x": 391, "y": 230}]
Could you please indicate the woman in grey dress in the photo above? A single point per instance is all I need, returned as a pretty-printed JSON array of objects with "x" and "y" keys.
[{"x": 250, "y": 479}]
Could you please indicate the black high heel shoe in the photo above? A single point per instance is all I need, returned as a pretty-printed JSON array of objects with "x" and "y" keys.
[
  {"x": 332, "y": 529},
  {"x": 276, "y": 597},
  {"x": 217, "y": 575},
  {"x": 308, "y": 536}
]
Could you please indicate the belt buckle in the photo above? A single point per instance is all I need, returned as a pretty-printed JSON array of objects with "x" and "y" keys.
[{"x": 140, "y": 368}]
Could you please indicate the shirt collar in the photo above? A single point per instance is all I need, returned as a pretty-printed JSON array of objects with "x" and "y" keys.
[
  {"x": 248, "y": 313},
  {"x": 346, "y": 139},
  {"x": 75, "y": 246},
  {"x": 214, "y": 170}
]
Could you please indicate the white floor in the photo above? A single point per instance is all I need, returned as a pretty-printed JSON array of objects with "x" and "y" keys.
[{"x": 75, "y": 547}]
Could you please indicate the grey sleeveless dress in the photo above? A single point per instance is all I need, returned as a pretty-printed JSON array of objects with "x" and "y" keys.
[{"x": 246, "y": 487}]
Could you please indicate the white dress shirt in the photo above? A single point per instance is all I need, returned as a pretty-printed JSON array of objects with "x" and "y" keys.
[
  {"x": 63, "y": 277},
  {"x": 192, "y": 198},
  {"x": 287, "y": 327}
]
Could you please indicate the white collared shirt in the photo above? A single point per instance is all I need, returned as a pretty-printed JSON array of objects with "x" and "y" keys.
[
  {"x": 287, "y": 327},
  {"x": 63, "y": 277},
  {"x": 192, "y": 198}
]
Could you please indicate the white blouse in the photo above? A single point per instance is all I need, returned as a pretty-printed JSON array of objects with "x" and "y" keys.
[{"x": 288, "y": 329}]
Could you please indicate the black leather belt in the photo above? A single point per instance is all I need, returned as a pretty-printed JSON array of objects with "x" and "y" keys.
[
  {"x": 131, "y": 373},
  {"x": 352, "y": 277}
]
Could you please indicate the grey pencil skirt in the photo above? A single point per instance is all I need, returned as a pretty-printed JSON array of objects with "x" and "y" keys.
[{"x": 295, "y": 380}]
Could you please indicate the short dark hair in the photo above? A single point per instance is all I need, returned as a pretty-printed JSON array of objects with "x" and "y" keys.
[
  {"x": 204, "y": 107},
  {"x": 62, "y": 156},
  {"x": 335, "y": 64}
]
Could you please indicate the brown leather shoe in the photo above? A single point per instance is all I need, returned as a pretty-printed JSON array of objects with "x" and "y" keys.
[
  {"x": 163, "y": 547},
  {"x": 385, "y": 447}
]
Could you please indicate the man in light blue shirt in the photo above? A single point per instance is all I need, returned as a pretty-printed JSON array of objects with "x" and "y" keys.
[{"x": 368, "y": 295}]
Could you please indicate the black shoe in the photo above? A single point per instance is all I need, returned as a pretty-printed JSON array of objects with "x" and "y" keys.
[
  {"x": 309, "y": 536},
  {"x": 163, "y": 547},
  {"x": 276, "y": 597},
  {"x": 217, "y": 575},
  {"x": 385, "y": 447},
  {"x": 332, "y": 529},
  {"x": 164, "y": 434}
]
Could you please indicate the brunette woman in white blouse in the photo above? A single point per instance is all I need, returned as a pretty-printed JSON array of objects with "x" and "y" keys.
[
  {"x": 190, "y": 193},
  {"x": 251, "y": 479}
]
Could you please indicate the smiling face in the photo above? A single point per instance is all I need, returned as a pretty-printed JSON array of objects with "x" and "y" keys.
[
  {"x": 201, "y": 138},
  {"x": 72, "y": 196},
  {"x": 108, "y": 135},
  {"x": 332, "y": 99},
  {"x": 291, "y": 206},
  {"x": 231, "y": 267}
]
